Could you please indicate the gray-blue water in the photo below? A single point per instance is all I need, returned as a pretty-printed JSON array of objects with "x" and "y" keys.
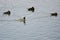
[{"x": 40, "y": 25}]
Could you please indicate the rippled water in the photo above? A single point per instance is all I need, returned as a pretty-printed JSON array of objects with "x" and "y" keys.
[{"x": 39, "y": 24}]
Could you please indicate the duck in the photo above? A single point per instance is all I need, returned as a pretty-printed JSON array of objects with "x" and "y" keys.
[
  {"x": 54, "y": 14},
  {"x": 7, "y": 13},
  {"x": 31, "y": 9},
  {"x": 22, "y": 20}
]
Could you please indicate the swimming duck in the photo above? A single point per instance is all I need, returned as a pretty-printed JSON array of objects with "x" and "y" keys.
[
  {"x": 7, "y": 13},
  {"x": 22, "y": 20},
  {"x": 31, "y": 9},
  {"x": 54, "y": 14}
]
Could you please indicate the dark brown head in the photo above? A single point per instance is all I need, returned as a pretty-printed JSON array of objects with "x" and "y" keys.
[
  {"x": 23, "y": 17},
  {"x": 24, "y": 20}
]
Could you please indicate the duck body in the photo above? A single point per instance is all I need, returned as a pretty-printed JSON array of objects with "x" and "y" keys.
[
  {"x": 22, "y": 20},
  {"x": 7, "y": 13},
  {"x": 31, "y": 9},
  {"x": 54, "y": 14}
]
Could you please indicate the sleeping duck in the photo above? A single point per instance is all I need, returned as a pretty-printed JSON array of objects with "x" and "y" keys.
[
  {"x": 54, "y": 14},
  {"x": 7, "y": 13},
  {"x": 31, "y": 9}
]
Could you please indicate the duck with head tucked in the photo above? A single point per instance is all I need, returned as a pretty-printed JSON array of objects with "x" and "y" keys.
[
  {"x": 31, "y": 9},
  {"x": 54, "y": 14},
  {"x": 7, "y": 13}
]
